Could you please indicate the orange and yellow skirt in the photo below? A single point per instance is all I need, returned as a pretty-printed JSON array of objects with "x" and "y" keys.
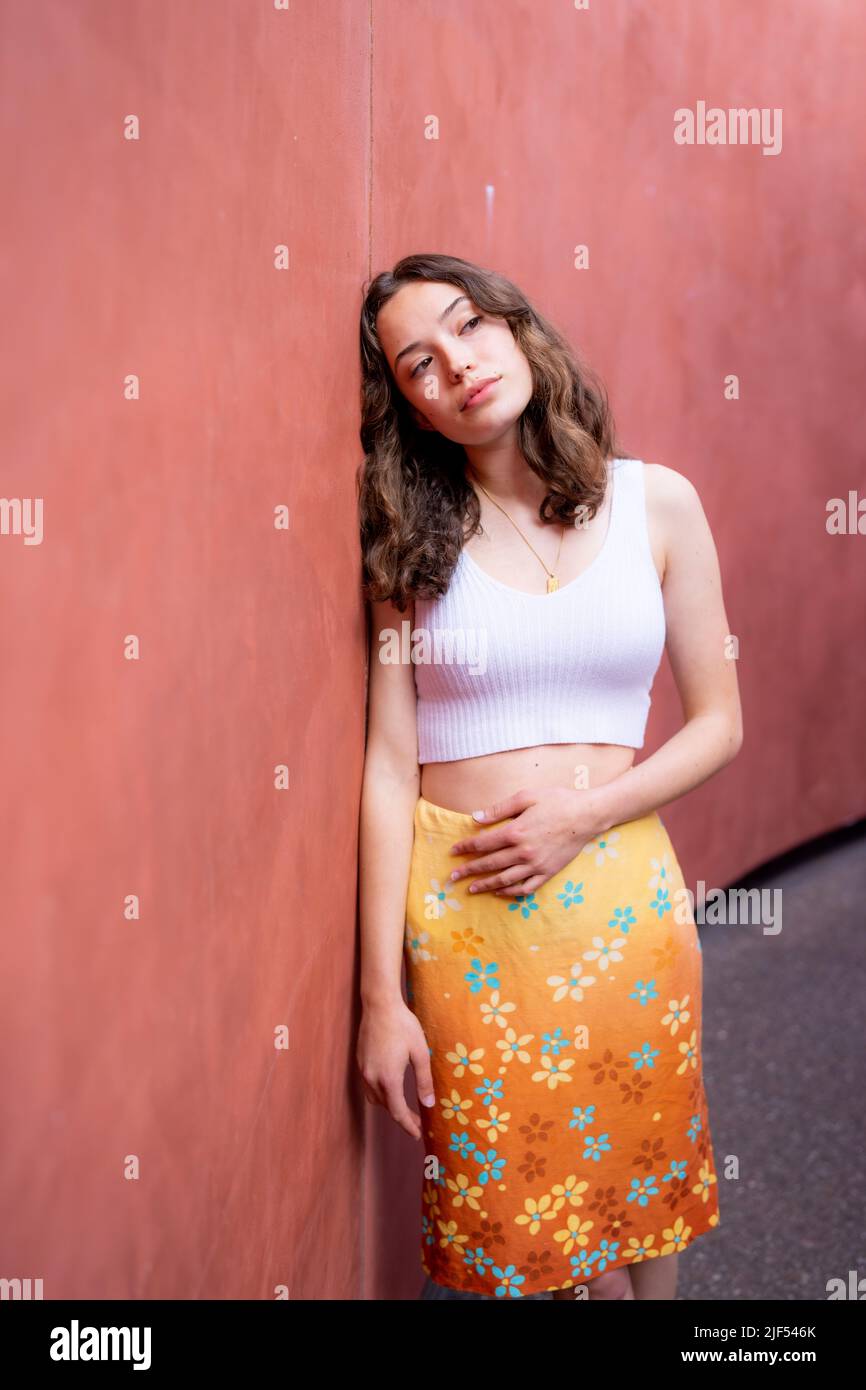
[{"x": 570, "y": 1133}]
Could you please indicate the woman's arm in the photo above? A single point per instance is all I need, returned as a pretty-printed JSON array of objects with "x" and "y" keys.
[
  {"x": 390, "y": 790},
  {"x": 391, "y": 1035},
  {"x": 699, "y": 645}
]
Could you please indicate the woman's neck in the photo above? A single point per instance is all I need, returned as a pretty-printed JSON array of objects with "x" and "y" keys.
[{"x": 507, "y": 476}]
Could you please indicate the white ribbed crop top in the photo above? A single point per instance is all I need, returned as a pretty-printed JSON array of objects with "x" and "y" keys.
[{"x": 498, "y": 668}]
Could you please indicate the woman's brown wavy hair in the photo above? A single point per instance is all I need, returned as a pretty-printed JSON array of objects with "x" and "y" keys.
[{"x": 416, "y": 505}]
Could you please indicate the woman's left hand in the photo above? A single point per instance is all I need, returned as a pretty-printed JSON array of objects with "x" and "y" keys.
[{"x": 551, "y": 826}]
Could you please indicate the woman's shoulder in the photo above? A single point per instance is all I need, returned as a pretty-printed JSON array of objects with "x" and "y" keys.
[
  {"x": 674, "y": 510},
  {"x": 671, "y": 495},
  {"x": 667, "y": 483}
]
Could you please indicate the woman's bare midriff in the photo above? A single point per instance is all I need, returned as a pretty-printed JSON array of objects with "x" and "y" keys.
[{"x": 471, "y": 784}]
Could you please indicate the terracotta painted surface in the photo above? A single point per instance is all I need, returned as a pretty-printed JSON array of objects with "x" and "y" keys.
[
  {"x": 156, "y": 777},
  {"x": 155, "y": 257}
]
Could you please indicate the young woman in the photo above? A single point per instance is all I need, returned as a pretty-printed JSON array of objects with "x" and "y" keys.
[{"x": 524, "y": 574}]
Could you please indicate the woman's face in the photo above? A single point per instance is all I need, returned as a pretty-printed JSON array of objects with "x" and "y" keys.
[{"x": 438, "y": 343}]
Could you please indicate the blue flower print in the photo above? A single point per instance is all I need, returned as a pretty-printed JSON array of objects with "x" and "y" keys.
[
  {"x": 525, "y": 903},
  {"x": 622, "y": 919},
  {"x": 694, "y": 1128},
  {"x": 511, "y": 1281},
  {"x": 595, "y": 1147},
  {"x": 605, "y": 1253},
  {"x": 646, "y": 1057},
  {"x": 482, "y": 976},
  {"x": 442, "y": 1180},
  {"x": 677, "y": 1170},
  {"x": 555, "y": 1042},
  {"x": 641, "y": 1190},
  {"x": 478, "y": 1259},
  {"x": 581, "y": 1266},
  {"x": 661, "y": 902},
  {"x": 490, "y": 1090},
  {"x": 491, "y": 1165},
  {"x": 583, "y": 1116},
  {"x": 643, "y": 992},
  {"x": 428, "y": 1234},
  {"x": 571, "y": 894},
  {"x": 462, "y": 1144}
]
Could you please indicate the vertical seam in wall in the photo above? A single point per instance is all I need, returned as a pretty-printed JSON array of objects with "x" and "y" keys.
[
  {"x": 370, "y": 145},
  {"x": 365, "y": 1126}
]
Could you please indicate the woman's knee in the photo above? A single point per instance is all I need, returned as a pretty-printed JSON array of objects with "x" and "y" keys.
[{"x": 616, "y": 1283}]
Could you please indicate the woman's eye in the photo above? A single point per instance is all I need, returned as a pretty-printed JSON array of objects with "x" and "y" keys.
[{"x": 476, "y": 319}]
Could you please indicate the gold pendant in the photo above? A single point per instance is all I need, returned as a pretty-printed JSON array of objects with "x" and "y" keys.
[{"x": 552, "y": 584}]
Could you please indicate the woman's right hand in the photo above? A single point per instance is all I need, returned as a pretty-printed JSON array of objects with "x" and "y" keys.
[{"x": 389, "y": 1037}]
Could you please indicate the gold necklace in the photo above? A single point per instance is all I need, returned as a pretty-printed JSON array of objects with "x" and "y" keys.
[{"x": 552, "y": 581}]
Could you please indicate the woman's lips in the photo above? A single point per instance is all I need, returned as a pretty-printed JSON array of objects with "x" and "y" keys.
[{"x": 481, "y": 395}]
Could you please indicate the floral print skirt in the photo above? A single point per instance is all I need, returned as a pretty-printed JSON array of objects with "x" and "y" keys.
[{"x": 570, "y": 1134}]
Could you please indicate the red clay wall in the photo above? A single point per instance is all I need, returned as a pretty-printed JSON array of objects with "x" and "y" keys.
[{"x": 156, "y": 258}]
